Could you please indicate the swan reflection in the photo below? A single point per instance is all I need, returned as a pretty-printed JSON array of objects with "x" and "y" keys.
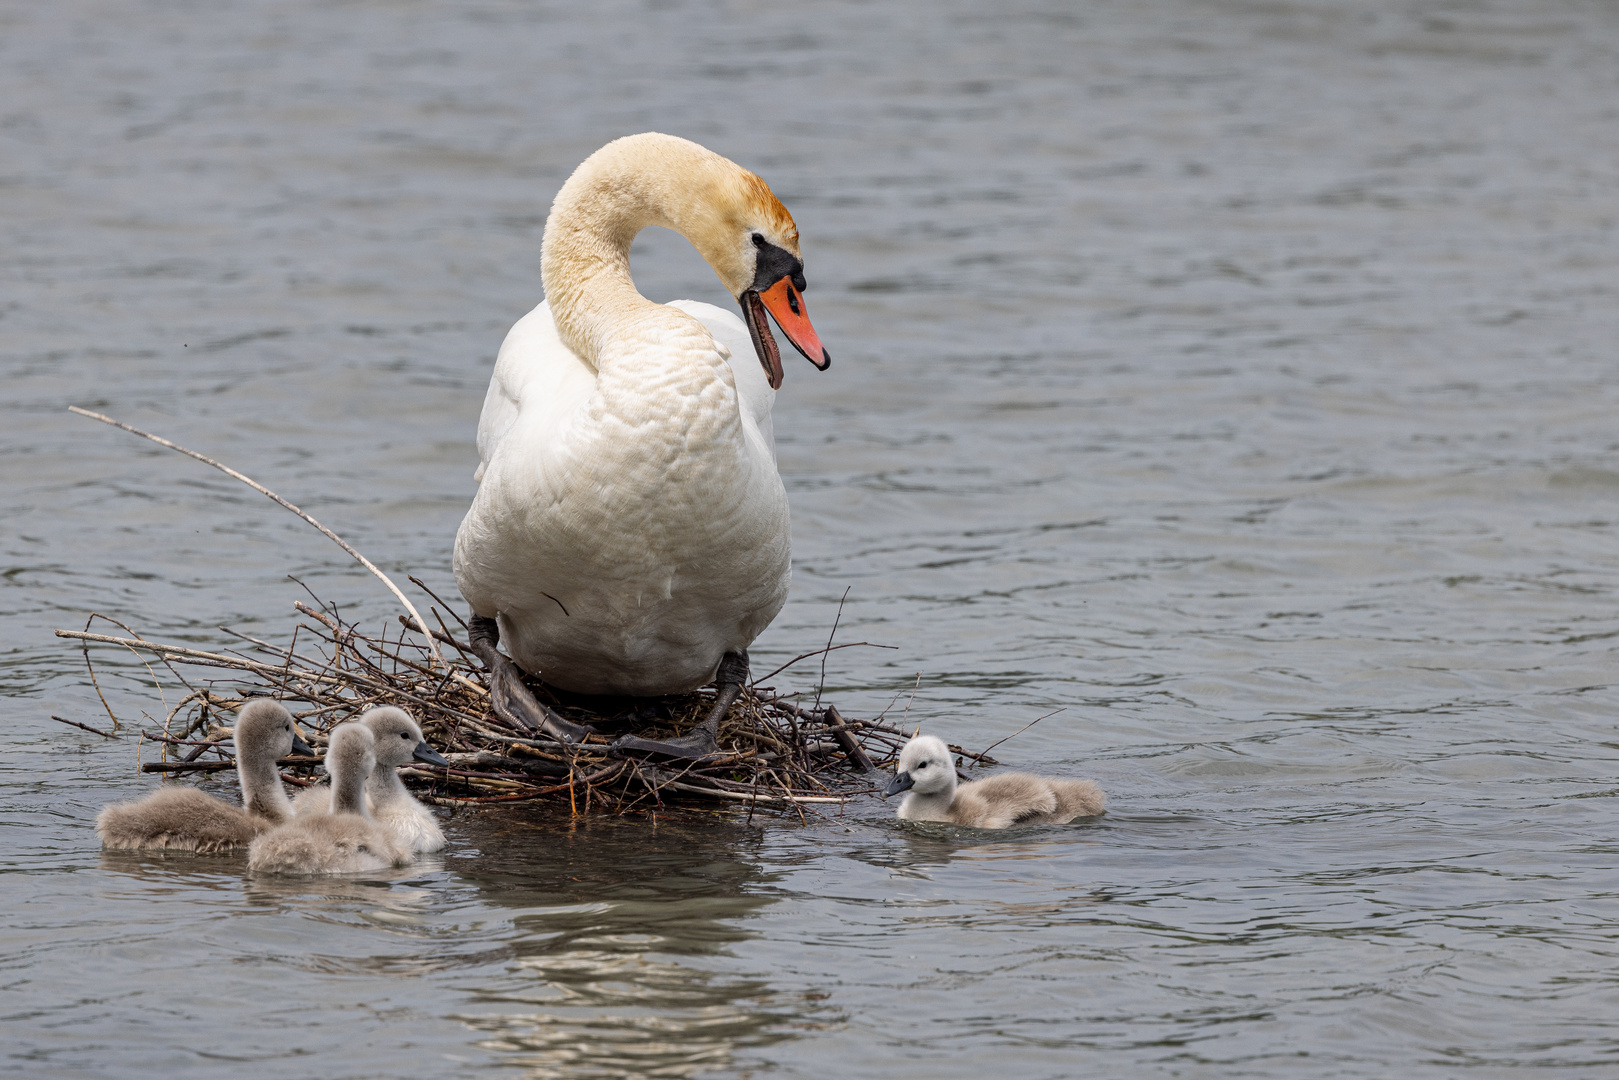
[{"x": 617, "y": 965}]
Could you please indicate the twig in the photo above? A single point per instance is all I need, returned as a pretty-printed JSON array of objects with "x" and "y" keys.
[
  {"x": 1020, "y": 731},
  {"x": 262, "y": 490},
  {"x": 840, "y": 731},
  {"x": 94, "y": 615},
  {"x": 821, "y": 652},
  {"x": 86, "y": 727},
  {"x": 422, "y": 585},
  {"x": 215, "y": 766},
  {"x": 833, "y": 633},
  {"x": 93, "y": 680},
  {"x": 743, "y": 796},
  {"x": 196, "y": 655},
  {"x": 906, "y": 715}
]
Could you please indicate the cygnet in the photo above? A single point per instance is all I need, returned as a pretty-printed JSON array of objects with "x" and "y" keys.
[
  {"x": 185, "y": 819},
  {"x": 344, "y": 841},
  {"x": 927, "y": 775},
  {"x": 398, "y": 741}
]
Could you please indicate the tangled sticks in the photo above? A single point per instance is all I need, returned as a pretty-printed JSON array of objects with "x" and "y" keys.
[{"x": 773, "y": 753}]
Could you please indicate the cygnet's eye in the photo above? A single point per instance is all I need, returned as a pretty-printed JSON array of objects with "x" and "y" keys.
[
  {"x": 924, "y": 765},
  {"x": 402, "y": 735}
]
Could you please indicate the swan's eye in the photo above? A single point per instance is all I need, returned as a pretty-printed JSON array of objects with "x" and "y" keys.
[
  {"x": 759, "y": 241},
  {"x": 402, "y": 735}
]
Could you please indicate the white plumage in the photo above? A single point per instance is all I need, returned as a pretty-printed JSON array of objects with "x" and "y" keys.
[
  {"x": 927, "y": 775},
  {"x": 630, "y": 527},
  {"x": 629, "y": 534}
]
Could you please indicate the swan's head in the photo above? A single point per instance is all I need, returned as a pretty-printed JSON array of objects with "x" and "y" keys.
[
  {"x": 265, "y": 732},
  {"x": 731, "y": 217},
  {"x": 925, "y": 767},
  {"x": 398, "y": 738},
  {"x": 756, "y": 256}
]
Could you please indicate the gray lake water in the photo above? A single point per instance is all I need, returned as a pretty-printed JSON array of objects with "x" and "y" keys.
[{"x": 1238, "y": 377}]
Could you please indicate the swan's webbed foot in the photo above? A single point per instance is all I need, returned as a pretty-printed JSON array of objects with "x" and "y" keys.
[
  {"x": 510, "y": 699},
  {"x": 704, "y": 741}
]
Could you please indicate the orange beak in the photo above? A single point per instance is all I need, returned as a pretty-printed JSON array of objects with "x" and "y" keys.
[{"x": 786, "y": 306}]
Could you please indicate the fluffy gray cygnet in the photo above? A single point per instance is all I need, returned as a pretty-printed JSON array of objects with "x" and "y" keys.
[
  {"x": 185, "y": 819},
  {"x": 344, "y": 841},
  {"x": 398, "y": 741},
  {"x": 927, "y": 775}
]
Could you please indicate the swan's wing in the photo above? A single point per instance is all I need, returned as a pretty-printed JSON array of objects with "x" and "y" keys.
[
  {"x": 537, "y": 376},
  {"x": 967, "y": 808},
  {"x": 1077, "y": 799},
  {"x": 181, "y": 818},
  {"x": 752, "y": 386},
  {"x": 1013, "y": 798}
]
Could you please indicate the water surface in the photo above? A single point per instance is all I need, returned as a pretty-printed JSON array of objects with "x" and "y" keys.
[{"x": 1237, "y": 378}]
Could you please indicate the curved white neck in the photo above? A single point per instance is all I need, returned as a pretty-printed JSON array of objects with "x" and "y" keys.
[{"x": 618, "y": 191}]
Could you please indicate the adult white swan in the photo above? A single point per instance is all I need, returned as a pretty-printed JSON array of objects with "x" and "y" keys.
[{"x": 630, "y": 531}]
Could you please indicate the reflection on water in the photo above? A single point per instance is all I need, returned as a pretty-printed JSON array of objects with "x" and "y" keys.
[
  {"x": 611, "y": 924},
  {"x": 594, "y": 949}
]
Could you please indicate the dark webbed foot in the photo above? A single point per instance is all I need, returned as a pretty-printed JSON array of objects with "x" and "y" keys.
[
  {"x": 510, "y": 699},
  {"x": 704, "y": 740}
]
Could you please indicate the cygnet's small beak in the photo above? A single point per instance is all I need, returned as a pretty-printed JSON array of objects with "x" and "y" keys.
[
  {"x": 901, "y": 782},
  {"x": 301, "y": 747},
  {"x": 426, "y": 753}
]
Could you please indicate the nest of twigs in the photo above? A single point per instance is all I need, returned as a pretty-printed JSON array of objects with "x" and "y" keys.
[{"x": 776, "y": 753}]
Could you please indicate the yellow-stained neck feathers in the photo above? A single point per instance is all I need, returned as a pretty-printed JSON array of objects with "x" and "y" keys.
[{"x": 626, "y": 186}]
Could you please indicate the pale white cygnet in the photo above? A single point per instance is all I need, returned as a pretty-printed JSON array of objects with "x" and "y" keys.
[
  {"x": 344, "y": 841},
  {"x": 185, "y": 819},
  {"x": 398, "y": 741},
  {"x": 927, "y": 775}
]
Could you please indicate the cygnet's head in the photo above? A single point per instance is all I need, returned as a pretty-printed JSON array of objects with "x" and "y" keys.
[
  {"x": 350, "y": 757},
  {"x": 398, "y": 738},
  {"x": 348, "y": 743},
  {"x": 265, "y": 732},
  {"x": 925, "y": 767}
]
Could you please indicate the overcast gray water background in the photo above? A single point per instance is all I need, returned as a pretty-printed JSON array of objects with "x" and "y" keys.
[{"x": 1238, "y": 377}]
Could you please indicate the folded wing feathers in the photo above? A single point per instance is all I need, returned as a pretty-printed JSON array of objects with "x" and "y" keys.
[
  {"x": 1007, "y": 799},
  {"x": 327, "y": 844},
  {"x": 178, "y": 819}
]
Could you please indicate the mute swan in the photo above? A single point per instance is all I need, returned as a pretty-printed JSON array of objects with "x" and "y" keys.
[
  {"x": 927, "y": 774},
  {"x": 185, "y": 819},
  {"x": 630, "y": 532},
  {"x": 344, "y": 841},
  {"x": 398, "y": 739}
]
